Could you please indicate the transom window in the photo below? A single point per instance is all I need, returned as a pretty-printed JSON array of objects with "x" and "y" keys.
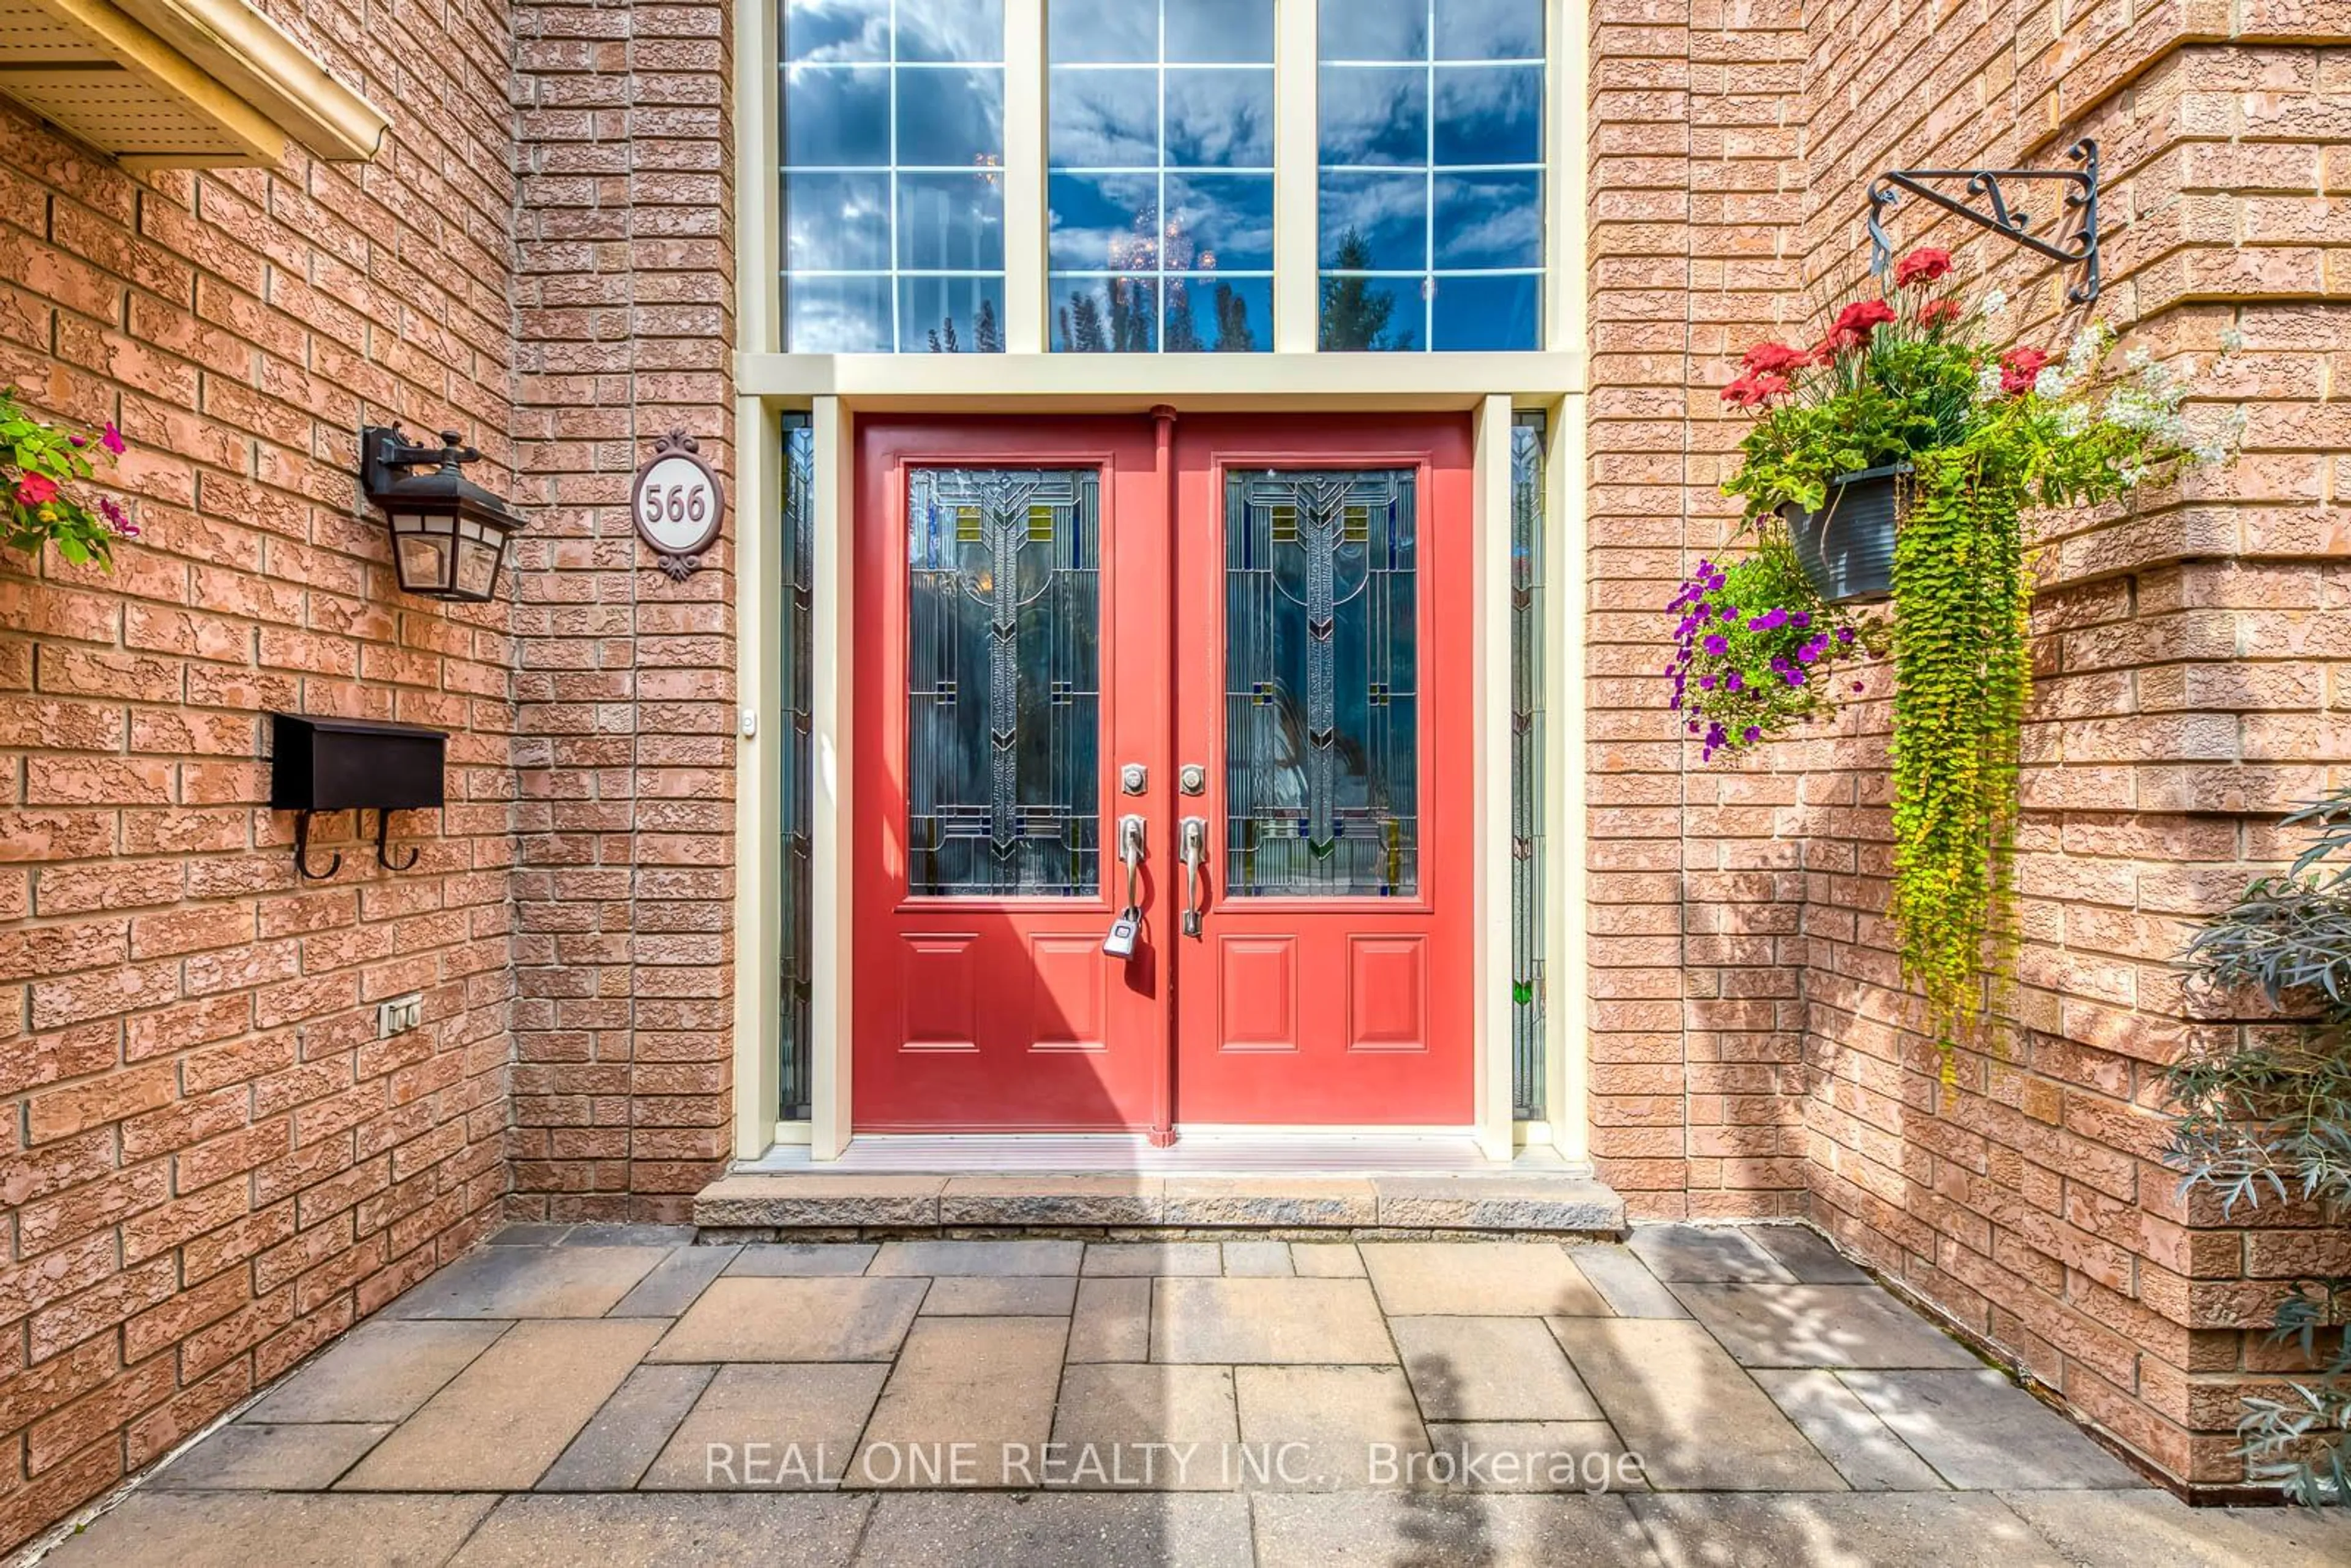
[
  {"x": 1144, "y": 211},
  {"x": 1430, "y": 134},
  {"x": 1159, "y": 140},
  {"x": 893, "y": 176}
]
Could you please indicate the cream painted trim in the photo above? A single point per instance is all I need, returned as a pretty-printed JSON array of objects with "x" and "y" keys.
[
  {"x": 1567, "y": 911},
  {"x": 1491, "y": 966},
  {"x": 832, "y": 699},
  {"x": 759, "y": 196},
  {"x": 252, "y": 57},
  {"x": 1135, "y": 383},
  {"x": 1024, "y": 213},
  {"x": 1296, "y": 178},
  {"x": 758, "y": 771}
]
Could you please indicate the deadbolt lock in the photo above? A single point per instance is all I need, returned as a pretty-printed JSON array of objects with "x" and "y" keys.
[
  {"x": 1192, "y": 779},
  {"x": 1134, "y": 779}
]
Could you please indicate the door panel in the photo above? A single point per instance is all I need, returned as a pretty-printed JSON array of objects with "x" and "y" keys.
[
  {"x": 993, "y": 560},
  {"x": 1318, "y": 561}
]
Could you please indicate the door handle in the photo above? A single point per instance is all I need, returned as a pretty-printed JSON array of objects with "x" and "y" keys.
[
  {"x": 1131, "y": 851},
  {"x": 1192, "y": 847}
]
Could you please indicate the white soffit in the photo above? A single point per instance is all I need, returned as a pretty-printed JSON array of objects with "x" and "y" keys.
[{"x": 166, "y": 83}]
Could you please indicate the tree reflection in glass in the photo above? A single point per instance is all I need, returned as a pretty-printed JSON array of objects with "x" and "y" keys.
[{"x": 1160, "y": 192}]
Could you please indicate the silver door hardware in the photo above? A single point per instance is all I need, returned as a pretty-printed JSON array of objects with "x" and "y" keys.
[
  {"x": 1134, "y": 779},
  {"x": 1192, "y": 849},
  {"x": 1128, "y": 926},
  {"x": 1119, "y": 943},
  {"x": 1192, "y": 779}
]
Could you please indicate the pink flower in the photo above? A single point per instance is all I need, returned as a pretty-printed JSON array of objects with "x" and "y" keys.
[
  {"x": 34, "y": 489},
  {"x": 111, "y": 439}
]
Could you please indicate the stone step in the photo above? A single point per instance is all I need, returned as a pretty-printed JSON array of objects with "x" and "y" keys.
[{"x": 813, "y": 1205}]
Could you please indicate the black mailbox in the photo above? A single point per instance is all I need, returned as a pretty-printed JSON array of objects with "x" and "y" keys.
[{"x": 353, "y": 764}]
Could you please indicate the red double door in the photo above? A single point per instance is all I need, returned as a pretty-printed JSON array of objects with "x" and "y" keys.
[{"x": 1224, "y": 662}]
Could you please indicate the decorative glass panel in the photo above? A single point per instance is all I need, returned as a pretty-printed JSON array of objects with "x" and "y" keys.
[
  {"x": 798, "y": 689},
  {"x": 1159, "y": 141},
  {"x": 1322, "y": 693},
  {"x": 1430, "y": 126},
  {"x": 1527, "y": 743},
  {"x": 893, "y": 155},
  {"x": 1003, "y": 698}
]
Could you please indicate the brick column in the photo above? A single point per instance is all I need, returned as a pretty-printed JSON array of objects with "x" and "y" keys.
[{"x": 625, "y": 316}]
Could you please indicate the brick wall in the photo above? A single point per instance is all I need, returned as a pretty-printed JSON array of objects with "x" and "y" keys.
[
  {"x": 210, "y": 1164},
  {"x": 1696, "y": 140},
  {"x": 624, "y": 1042},
  {"x": 2191, "y": 656}
]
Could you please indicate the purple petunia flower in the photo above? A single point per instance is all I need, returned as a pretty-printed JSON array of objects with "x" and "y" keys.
[
  {"x": 1800, "y": 618},
  {"x": 1706, "y": 683},
  {"x": 1752, "y": 734},
  {"x": 1735, "y": 681},
  {"x": 1717, "y": 645},
  {"x": 1845, "y": 635},
  {"x": 1794, "y": 677}
]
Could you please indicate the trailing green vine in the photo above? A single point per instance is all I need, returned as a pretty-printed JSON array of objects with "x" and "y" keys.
[
  {"x": 1915, "y": 378},
  {"x": 1963, "y": 672}
]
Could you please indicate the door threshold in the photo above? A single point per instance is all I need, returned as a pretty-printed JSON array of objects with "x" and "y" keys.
[{"x": 1220, "y": 1151}]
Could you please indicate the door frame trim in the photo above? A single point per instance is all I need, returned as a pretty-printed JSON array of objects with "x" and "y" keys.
[{"x": 758, "y": 590}]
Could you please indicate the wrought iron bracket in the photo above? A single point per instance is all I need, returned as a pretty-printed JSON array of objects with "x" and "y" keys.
[
  {"x": 383, "y": 846},
  {"x": 2077, "y": 236},
  {"x": 302, "y": 850}
]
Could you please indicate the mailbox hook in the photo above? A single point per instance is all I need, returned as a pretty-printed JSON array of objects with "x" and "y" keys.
[
  {"x": 382, "y": 855},
  {"x": 302, "y": 851}
]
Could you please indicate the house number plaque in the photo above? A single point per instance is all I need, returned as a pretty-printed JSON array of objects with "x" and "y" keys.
[{"x": 677, "y": 504}]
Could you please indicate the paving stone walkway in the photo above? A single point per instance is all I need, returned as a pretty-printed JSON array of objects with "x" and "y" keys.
[{"x": 611, "y": 1394}]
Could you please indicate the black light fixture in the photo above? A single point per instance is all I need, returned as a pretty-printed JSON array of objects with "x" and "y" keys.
[{"x": 448, "y": 534}]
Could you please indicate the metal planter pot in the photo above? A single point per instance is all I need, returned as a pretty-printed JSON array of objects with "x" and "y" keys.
[{"x": 1846, "y": 548}]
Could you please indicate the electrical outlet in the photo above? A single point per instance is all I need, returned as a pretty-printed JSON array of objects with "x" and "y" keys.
[{"x": 399, "y": 1015}]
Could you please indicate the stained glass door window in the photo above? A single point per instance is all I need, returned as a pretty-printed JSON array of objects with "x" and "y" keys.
[
  {"x": 1003, "y": 689},
  {"x": 1322, "y": 721}
]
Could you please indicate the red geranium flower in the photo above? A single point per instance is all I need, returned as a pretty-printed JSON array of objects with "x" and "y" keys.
[
  {"x": 1921, "y": 265},
  {"x": 1853, "y": 327},
  {"x": 2018, "y": 367},
  {"x": 1935, "y": 312},
  {"x": 1754, "y": 390},
  {"x": 1776, "y": 359},
  {"x": 1862, "y": 316},
  {"x": 34, "y": 489}
]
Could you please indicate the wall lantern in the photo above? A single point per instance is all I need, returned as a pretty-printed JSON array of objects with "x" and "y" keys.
[{"x": 448, "y": 534}]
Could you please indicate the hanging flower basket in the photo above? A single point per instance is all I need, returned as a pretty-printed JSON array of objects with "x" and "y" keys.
[
  {"x": 1846, "y": 548},
  {"x": 1902, "y": 453}
]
